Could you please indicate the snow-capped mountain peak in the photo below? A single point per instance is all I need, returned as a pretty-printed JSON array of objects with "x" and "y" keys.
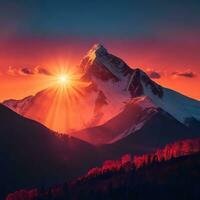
[
  {"x": 114, "y": 85},
  {"x": 120, "y": 83},
  {"x": 101, "y": 67},
  {"x": 99, "y": 63}
]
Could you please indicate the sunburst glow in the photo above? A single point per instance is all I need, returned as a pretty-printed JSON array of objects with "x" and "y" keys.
[{"x": 64, "y": 100}]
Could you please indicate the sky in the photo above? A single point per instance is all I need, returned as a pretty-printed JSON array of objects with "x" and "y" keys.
[{"x": 36, "y": 37}]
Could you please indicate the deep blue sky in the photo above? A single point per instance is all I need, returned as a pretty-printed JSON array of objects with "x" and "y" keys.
[{"x": 111, "y": 18}]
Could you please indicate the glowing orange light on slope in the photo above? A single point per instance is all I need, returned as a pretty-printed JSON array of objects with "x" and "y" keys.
[{"x": 66, "y": 90}]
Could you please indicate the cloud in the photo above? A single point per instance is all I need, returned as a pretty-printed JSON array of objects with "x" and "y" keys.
[
  {"x": 43, "y": 71},
  {"x": 176, "y": 74},
  {"x": 153, "y": 74},
  {"x": 27, "y": 71},
  {"x": 187, "y": 74}
]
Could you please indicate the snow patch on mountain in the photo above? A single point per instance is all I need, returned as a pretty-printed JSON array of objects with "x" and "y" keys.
[
  {"x": 144, "y": 102},
  {"x": 148, "y": 106},
  {"x": 176, "y": 104}
]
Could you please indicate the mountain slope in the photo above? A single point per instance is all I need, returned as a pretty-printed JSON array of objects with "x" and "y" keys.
[
  {"x": 132, "y": 118},
  {"x": 139, "y": 128},
  {"x": 158, "y": 131},
  {"x": 32, "y": 155}
]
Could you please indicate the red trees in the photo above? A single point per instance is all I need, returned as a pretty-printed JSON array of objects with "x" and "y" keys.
[
  {"x": 110, "y": 165},
  {"x": 177, "y": 149},
  {"x": 23, "y": 194}
]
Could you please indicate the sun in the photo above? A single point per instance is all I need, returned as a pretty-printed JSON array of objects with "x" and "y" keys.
[
  {"x": 63, "y": 79},
  {"x": 69, "y": 80}
]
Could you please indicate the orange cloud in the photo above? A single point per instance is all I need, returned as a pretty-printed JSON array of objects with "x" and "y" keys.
[
  {"x": 187, "y": 74},
  {"x": 153, "y": 74},
  {"x": 27, "y": 71}
]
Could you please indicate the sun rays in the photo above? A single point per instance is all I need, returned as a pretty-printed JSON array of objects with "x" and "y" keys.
[{"x": 66, "y": 88}]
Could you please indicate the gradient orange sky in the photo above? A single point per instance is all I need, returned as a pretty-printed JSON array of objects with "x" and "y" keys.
[{"x": 175, "y": 59}]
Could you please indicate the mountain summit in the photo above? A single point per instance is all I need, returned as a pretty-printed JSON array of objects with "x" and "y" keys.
[
  {"x": 98, "y": 60},
  {"x": 98, "y": 49}
]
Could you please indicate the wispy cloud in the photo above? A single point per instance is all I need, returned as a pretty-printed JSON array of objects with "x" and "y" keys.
[
  {"x": 153, "y": 73},
  {"x": 187, "y": 74},
  {"x": 27, "y": 71}
]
